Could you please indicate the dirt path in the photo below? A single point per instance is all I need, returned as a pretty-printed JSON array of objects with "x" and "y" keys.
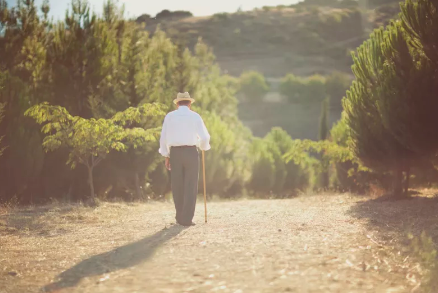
[{"x": 311, "y": 244}]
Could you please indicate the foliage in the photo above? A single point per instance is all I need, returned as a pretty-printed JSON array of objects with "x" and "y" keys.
[
  {"x": 303, "y": 90},
  {"x": 106, "y": 76},
  {"x": 373, "y": 143},
  {"x": 314, "y": 89},
  {"x": 89, "y": 141},
  {"x": 227, "y": 164},
  {"x": 253, "y": 86},
  {"x": 294, "y": 88},
  {"x": 271, "y": 174},
  {"x": 297, "y": 176},
  {"x": 349, "y": 174},
  {"x": 408, "y": 112},
  {"x": 391, "y": 101},
  {"x": 104, "y": 71}
]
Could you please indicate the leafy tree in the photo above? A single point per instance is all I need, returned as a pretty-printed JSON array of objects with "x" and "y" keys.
[
  {"x": 253, "y": 86},
  {"x": 89, "y": 141}
]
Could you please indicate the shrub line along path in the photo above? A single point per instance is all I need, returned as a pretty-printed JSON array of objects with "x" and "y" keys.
[{"x": 306, "y": 244}]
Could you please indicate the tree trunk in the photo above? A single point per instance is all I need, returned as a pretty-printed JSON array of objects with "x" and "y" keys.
[
  {"x": 398, "y": 182},
  {"x": 90, "y": 181},
  {"x": 137, "y": 186},
  {"x": 408, "y": 175}
]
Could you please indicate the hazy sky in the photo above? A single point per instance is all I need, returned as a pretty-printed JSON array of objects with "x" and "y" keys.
[{"x": 197, "y": 7}]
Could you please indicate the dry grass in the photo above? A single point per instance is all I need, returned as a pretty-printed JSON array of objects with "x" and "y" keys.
[
  {"x": 393, "y": 223},
  {"x": 314, "y": 243},
  {"x": 39, "y": 242}
]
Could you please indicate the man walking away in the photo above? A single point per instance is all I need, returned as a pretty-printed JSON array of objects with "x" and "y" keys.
[{"x": 183, "y": 133}]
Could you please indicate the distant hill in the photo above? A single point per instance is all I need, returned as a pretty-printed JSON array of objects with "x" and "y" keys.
[
  {"x": 314, "y": 36},
  {"x": 302, "y": 39}
]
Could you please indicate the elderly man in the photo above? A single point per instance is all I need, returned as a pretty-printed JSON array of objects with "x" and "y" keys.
[{"x": 182, "y": 134}]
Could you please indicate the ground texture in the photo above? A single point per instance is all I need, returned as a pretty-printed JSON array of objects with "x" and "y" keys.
[{"x": 306, "y": 244}]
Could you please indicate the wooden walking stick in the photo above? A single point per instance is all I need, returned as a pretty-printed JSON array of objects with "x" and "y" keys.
[{"x": 205, "y": 188}]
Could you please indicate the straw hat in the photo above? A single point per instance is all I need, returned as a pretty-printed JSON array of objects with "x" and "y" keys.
[{"x": 183, "y": 97}]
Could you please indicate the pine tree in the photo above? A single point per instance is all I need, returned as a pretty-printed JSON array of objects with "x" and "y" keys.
[
  {"x": 373, "y": 143},
  {"x": 23, "y": 69},
  {"x": 410, "y": 79}
]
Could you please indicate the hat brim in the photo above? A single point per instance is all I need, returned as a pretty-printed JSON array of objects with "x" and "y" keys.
[{"x": 183, "y": 99}]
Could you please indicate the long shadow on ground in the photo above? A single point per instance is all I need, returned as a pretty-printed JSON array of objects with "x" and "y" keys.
[
  {"x": 395, "y": 219},
  {"x": 120, "y": 258}
]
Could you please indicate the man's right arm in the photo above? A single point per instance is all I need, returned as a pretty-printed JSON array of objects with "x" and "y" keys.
[{"x": 203, "y": 134}]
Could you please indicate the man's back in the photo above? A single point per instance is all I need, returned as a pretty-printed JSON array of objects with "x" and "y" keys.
[{"x": 183, "y": 127}]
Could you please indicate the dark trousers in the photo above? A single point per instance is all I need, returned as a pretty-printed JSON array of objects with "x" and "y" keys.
[{"x": 184, "y": 163}]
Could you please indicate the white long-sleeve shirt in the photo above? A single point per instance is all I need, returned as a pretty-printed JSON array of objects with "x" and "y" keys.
[{"x": 183, "y": 127}]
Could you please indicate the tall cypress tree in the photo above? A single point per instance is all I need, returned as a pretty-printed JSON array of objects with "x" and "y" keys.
[
  {"x": 323, "y": 135},
  {"x": 372, "y": 142},
  {"x": 412, "y": 54},
  {"x": 410, "y": 79}
]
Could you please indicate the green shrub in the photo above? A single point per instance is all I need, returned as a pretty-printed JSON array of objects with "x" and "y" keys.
[
  {"x": 297, "y": 175},
  {"x": 253, "y": 86},
  {"x": 293, "y": 87},
  {"x": 303, "y": 90},
  {"x": 271, "y": 175}
]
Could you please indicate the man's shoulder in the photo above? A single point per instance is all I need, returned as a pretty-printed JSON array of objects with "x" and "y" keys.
[
  {"x": 195, "y": 114},
  {"x": 190, "y": 113},
  {"x": 170, "y": 114}
]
